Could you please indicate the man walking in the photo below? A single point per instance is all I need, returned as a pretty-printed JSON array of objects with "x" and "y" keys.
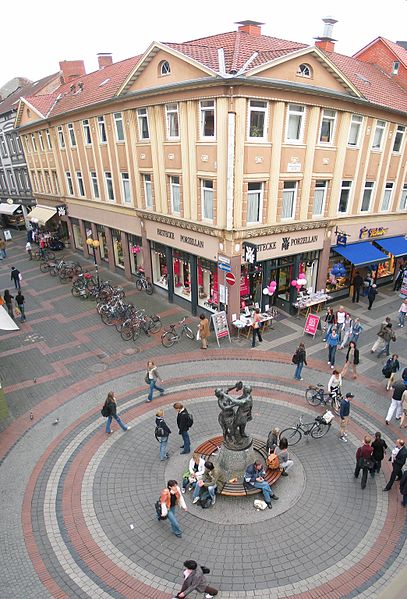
[
  {"x": 396, "y": 404},
  {"x": 383, "y": 328},
  {"x": 15, "y": 277},
  {"x": 20, "y": 303},
  {"x": 194, "y": 580},
  {"x": 2, "y": 249},
  {"x": 371, "y": 296},
  {"x": 344, "y": 416},
  {"x": 398, "y": 464},
  {"x": 357, "y": 286},
  {"x": 254, "y": 476},
  {"x": 388, "y": 335},
  {"x": 184, "y": 422},
  {"x": 28, "y": 249},
  {"x": 162, "y": 432}
]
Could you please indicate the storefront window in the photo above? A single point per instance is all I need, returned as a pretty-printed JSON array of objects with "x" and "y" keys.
[
  {"x": 135, "y": 252},
  {"x": 159, "y": 264},
  {"x": 182, "y": 274},
  {"x": 339, "y": 273},
  {"x": 386, "y": 269},
  {"x": 77, "y": 235},
  {"x": 88, "y": 232},
  {"x": 284, "y": 281},
  {"x": 103, "y": 243},
  {"x": 117, "y": 248},
  {"x": 208, "y": 289},
  {"x": 251, "y": 285}
]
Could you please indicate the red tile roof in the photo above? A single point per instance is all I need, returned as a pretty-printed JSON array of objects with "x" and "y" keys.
[
  {"x": 399, "y": 52},
  {"x": 11, "y": 102}
]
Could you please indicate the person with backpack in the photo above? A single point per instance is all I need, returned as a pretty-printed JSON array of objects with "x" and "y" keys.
[
  {"x": 194, "y": 580},
  {"x": 396, "y": 404},
  {"x": 162, "y": 433},
  {"x": 364, "y": 460},
  {"x": 388, "y": 336},
  {"x": 184, "y": 422},
  {"x": 208, "y": 483},
  {"x": 379, "y": 341},
  {"x": 389, "y": 370},
  {"x": 109, "y": 411},
  {"x": 299, "y": 358},
  {"x": 151, "y": 379},
  {"x": 379, "y": 449},
  {"x": 170, "y": 497},
  {"x": 284, "y": 459}
]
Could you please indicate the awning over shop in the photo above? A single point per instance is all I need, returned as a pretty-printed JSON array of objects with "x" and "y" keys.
[
  {"x": 6, "y": 322},
  {"x": 360, "y": 253},
  {"x": 8, "y": 208},
  {"x": 42, "y": 214},
  {"x": 395, "y": 245}
]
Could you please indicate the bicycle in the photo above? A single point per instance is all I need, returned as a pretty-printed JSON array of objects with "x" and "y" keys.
[
  {"x": 317, "y": 429},
  {"x": 316, "y": 396},
  {"x": 45, "y": 254},
  {"x": 143, "y": 284},
  {"x": 168, "y": 338}
]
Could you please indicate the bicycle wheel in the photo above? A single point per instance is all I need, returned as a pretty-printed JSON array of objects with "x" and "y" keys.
[
  {"x": 312, "y": 397},
  {"x": 75, "y": 291},
  {"x": 156, "y": 325},
  {"x": 188, "y": 332},
  {"x": 53, "y": 271},
  {"x": 320, "y": 430},
  {"x": 44, "y": 266},
  {"x": 149, "y": 288},
  {"x": 108, "y": 318},
  {"x": 136, "y": 332},
  {"x": 50, "y": 255},
  {"x": 139, "y": 285},
  {"x": 168, "y": 339},
  {"x": 293, "y": 435},
  {"x": 126, "y": 331}
]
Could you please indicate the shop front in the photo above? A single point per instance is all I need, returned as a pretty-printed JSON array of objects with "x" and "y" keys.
[{"x": 11, "y": 216}]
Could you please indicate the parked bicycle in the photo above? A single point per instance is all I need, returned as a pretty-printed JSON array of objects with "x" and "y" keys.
[
  {"x": 317, "y": 429},
  {"x": 168, "y": 338},
  {"x": 143, "y": 284},
  {"x": 45, "y": 254},
  {"x": 316, "y": 396}
]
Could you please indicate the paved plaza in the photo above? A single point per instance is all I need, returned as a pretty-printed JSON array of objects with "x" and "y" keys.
[{"x": 77, "y": 517}]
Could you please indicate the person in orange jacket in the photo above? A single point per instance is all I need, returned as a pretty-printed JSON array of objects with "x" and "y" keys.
[{"x": 170, "y": 497}]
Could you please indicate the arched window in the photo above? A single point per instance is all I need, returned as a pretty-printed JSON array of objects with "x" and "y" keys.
[
  {"x": 304, "y": 70},
  {"x": 165, "y": 68}
]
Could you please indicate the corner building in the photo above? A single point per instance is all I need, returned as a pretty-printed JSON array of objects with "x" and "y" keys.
[{"x": 176, "y": 159}]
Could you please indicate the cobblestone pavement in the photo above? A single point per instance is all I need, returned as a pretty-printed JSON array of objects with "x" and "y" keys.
[{"x": 77, "y": 505}]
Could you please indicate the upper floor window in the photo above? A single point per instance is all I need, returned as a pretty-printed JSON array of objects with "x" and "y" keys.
[
  {"x": 344, "y": 196},
  {"x": 319, "y": 197},
  {"x": 41, "y": 180},
  {"x": 378, "y": 135},
  {"x": 18, "y": 144},
  {"x": 171, "y": 111},
  {"x": 102, "y": 130},
  {"x": 48, "y": 182},
  {"x": 257, "y": 119},
  {"x": 3, "y": 146},
  {"x": 175, "y": 191},
  {"x": 388, "y": 192},
  {"x": 165, "y": 68},
  {"x": 126, "y": 188},
  {"x": 27, "y": 145},
  {"x": 86, "y": 132},
  {"x": 207, "y": 199},
  {"x": 148, "y": 191},
  {"x": 81, "y": 186},
  {"x": 61, "y": 137},
  {"x": 41, "y": 141},
  {"x": 398, "y": 140},
  {"x": 254, "y": 202},
  {"x": 69, "y": 183},
  {"x": 12, "y": 180},
  {"x": 49, "y": 141},
  {"x": 326, "y": 134},
  {"x": 355, "y": 130},
  {"x": 33, "y": 142},
  {"x": 109, "y": 185},
  {"x": 95, "y": 185},
  {"x": 55, "y": 182},
  {"x": 118, "y": 121},
  {"x": 304, "y": 70},
  {"x": 367, "y": 196},
  {"x": 295, "y": 123},
  {"x": 289, "y": 199},
  {"x": 72, "y": 138},
  {"x": 403, "y": 198},
  {"x": 143, "y": 128},
  {"x": 207, "y": 119},
  {"x": 34, "y": 180},
  {"x": 396, "y": 66}
]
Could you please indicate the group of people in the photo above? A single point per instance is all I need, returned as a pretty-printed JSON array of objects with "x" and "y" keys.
[
  {"x": 16, "y": 307},
  {"x": 342, "y": 330},
  {"x": 365, "y": 285}
]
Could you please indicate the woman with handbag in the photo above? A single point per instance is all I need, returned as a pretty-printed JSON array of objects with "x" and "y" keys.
[
  {"x": 110, "y": 408},
  {"x": 389, "y": 370},
  {"x": 299, "y": 358},
  {"x": 170, "y": 497},
  {"x": 364, "y": 460},
  {"x": 352, "y": 357},
  {"x": 151, "y": 379},
  {"x": 329, "y": 321}
]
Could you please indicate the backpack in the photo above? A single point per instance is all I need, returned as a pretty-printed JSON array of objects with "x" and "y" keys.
[
  {"x": 295, "y": 359},
  {"x": 387, "y": 369},
  {"x": 205, "y": 500},
  {"x": 159, "y": 432},
  {"x": 158, "y": 510},
  {"x": 273, "y": 461},
  {"x": 190, "y": 420},
  {"x": 147, "y": 379},
  {"x": 105, "y": 411}
]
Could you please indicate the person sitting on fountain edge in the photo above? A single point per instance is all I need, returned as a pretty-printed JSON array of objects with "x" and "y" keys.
[{"x": 254, "y": 476}]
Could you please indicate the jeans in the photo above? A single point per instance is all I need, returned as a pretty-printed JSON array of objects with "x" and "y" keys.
[
  {"x": 173, "y": 521},
  {"x": 385, "y": 349},
  {"x": 256, "y": 332},
  {"x": 402, "y": 316},
  {"x": 356, "y": 294},
  {"x": 297, "y": 374},
  {"x": 17, "y": 283},
  {"x": 163, "y": 448},
  {"x": 331, "y": 353},
  {"x": 153, "y": 386},
  {"x": 211, "y": 491},
  {"x": 3, "y": 254},
  {"x": 266, "y": 490},
  {"x": 22, "y": 310},
  {"x": 118, "y": 420},
  {"x": 187, "y": 442}
]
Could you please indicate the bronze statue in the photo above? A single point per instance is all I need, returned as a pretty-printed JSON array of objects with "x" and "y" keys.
[{"x": 235, "y": 413}]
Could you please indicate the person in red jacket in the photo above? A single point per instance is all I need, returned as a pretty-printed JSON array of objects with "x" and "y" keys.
[{"x": 364, "y": 460}]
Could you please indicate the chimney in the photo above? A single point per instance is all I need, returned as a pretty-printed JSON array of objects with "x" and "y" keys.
[
  {"x": 250, "y": 27},
  {"x": 105, "y": 59},
  {"x": 71, "y": 69},
  {"x": 326, "y": 41}
]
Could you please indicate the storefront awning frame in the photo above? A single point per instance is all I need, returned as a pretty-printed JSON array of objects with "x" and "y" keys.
[
  {"x": 394, "y": 245},
  {"x": 42, "y": 214},
  {"x": 6, "y": 322},
  {"x": 9, "y": 208},
  {"x": 360, "y": 254}
]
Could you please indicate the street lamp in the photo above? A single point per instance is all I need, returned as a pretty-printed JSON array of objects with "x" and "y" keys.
[{"x": 94, "y": 243}]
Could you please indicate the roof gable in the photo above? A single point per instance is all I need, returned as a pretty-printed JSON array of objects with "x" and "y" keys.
[
  {"x": 399, "y": 52},
  {"x": 30, "y": 110}
]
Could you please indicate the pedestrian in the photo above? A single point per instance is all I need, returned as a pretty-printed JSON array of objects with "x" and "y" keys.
[
  {"x": 256, "y": 327},
  {"x": 357, "y": 283},
  {"x": 379, "y": 449},
  {"x": 194, "y": 580},
  {"x": 28, "y": 249},
  {"x": 2, "y": 249},
  {"x": 396, "y": 404},
  {"x": 255, "y": 477},
  {"x": 184, "y": 422},
  {"x": 371, "y": 295},
  {"x": 388, "y": 336},
  {"x": 332, "y": 342},
  {"x": 364, "y": 460},
  {"x": 379, "y": 340},
  {"x": 283, "y": 456},
  {"x": 335, "y": 382},
  {"x": 347, "y": 330},
  {"x": 204, "y": 332},
  {"x": 16, "y": 277},
  {"x": 389, "y": 370},
  {"x": 398, "y": 463},
  {"x": 8, "y": 300},
  {"x": 42, "y": 247},
  {"x": 352, "y": 358},
  {"x": 344, "y": 416},
  {"x": 162, "y": 432},
  {"x": 20, "y": 304},
  {"x": 402, "y": 313},
  {"x": 404, "y": 407},
  {"x": 111, "y": 408},
  {"x": 356, "y": 330},
  {"x": 403, "y": 488},
  {"x": 329, "y": 321},
  {"x": 399, "y": 278},
  {"x": 151, "y": 379},
  {"x": 299, "y": 358},
  {"x": 340, "y": 319},
  {"x": 170, "y": 497},
  {"x": 367, "y": 283}
]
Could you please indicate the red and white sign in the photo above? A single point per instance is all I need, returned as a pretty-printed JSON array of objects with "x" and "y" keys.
[
  {"x": 230, "y": 278},
  {"x": 311, "y": 324}
]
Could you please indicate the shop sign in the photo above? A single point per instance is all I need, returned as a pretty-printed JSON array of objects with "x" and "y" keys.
[
  {"x": 365, "y": 233},
  {"x": 294, "y": 167},
  {"x": 62, "y": 210},
  {"x": 341, "y": 239},
  {"x": 198, "y": 243},
  {"x": 286, "y": 243},
  {"x": 311, "y": 324},
  {"x": 250, "y": 252},
  {"x": 220, "y": 325}
]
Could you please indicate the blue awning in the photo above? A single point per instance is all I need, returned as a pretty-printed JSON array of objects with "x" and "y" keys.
[
  {"x": 395, "y": 245},
  {"x": 360, "y": 253}
]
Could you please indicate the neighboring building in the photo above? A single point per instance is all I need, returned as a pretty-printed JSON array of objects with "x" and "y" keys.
[
  {"x": 177, "y": 158},
  {"x": 390, "y": 57}
]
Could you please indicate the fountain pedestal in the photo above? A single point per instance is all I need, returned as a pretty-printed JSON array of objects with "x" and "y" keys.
[{"x": 232, "y": 463}]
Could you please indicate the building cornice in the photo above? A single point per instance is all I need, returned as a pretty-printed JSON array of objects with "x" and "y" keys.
[
  {"x": 181, "y": 224},
  {"x": 281, "y": 228}
]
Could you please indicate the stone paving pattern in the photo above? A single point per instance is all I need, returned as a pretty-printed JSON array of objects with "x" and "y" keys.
[{"x": 69, "y": 492}]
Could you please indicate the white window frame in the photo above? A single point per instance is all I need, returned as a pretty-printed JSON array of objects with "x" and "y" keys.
[
  {"x": 399, "y": 135},
  {"x": 27, "y": 148},
  {"x": 34, "y": 180},
  {"x": 395, "y": 67},
  {"x": 81, "y": 185},
  {"x": 119, "y": 126},
  {"x": 256, "y": 109},
  {"x": 55, "y": 182},
  {"x": 165, "y": 68},
  {"x": 95, "y": 185},
  {"x": 148, "y": 190},
  {"x": 41, "y": 141},
  {"x": 175, "y": 193},
  {"x": 330, "y": 119},
  {"x": 41, "y": 181},
  {"x": 33, "y": 142},
  {"x": 403, "y": 198},
  {"x": 69, "y": 183},
  {"x": 87, "y": 135},
  {"x": 255, "y": 199},
  {"x": 207, "y": 199},
  {"x": 61, "y": 137},
  {"x": 12, "y": 180},
  {"x": 368, "y": 191},
  {"x": 356, "y": 124},
  {"x": 172, "y": 121},
  {"x": 126, "y": 188},
  {"x": 295, "y": 111},
  {"x": 48, "y": 182},
  {"x": 207, "y": 106},
  {"x": 3, "y": 144},
  {"x": 304, "y": 70},
  {"x": 292, "y": 189},
  {"x": 387, "y": 196},
  {"x": 49, "y": 141},
  {"x": 344, "y": 188},
  {"x": 379, "y": 135},
  {"x": 71, "y": 133},
  {"x": 109, "y": 186},
  {"x": 143, "y": 124},
  {"x": 102, "y": 130},
  {"x": 12, "y": 144},
  {"x": 320, "y": 197}
]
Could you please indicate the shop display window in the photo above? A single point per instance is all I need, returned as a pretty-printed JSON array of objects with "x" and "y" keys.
[
  {"x": 308, "y": 270},
  {"x": 117, "y": 248},
  {"x": 339, "y": 274},
  {"x": 182, "y": 274},
  {"x": 77, "y": 236},
  {"x": 103, "y": 243},
  {"x": 208, "y": 287},
  {"x": 135, "y": 253},
  {"x": 386, "y": 269},
  {"x": 88, "y": 232},
  {"x": 251, "y": 285},
  {"x": 159, "y": 264},
  {"x": 285, "y": 276}
]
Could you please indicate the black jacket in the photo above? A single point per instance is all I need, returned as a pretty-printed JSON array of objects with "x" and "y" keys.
[
  {"x": 355, "y": 356},
  {"x": 400, "y": 458},
  {"x": 378, "y": 449},
  {"x": 161, "y": 423},
  {"x": 357, "y": 282},
  {"x": 14, "y": 274},
  {"x": 183, "y": 421},
  {"x": 372, "y": 293},
  {"x": 112, "y": 407},
  {"x": 20, "y": 299},
  {"x": 302, "y": 356},
  {"x": 403, "y": 483},
  {"x": 399, "y": 388}
]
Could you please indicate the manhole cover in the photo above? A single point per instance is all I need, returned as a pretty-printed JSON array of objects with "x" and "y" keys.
[
  {"x": 98, "y": 367},
  {"x": 131, "y": 351}
]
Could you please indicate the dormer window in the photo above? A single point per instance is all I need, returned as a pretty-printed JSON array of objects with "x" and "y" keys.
[
  {"x": 304, "y": 70},
  {"x": 396, "y": 66},
  {"x": 165, "y": 68}
]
